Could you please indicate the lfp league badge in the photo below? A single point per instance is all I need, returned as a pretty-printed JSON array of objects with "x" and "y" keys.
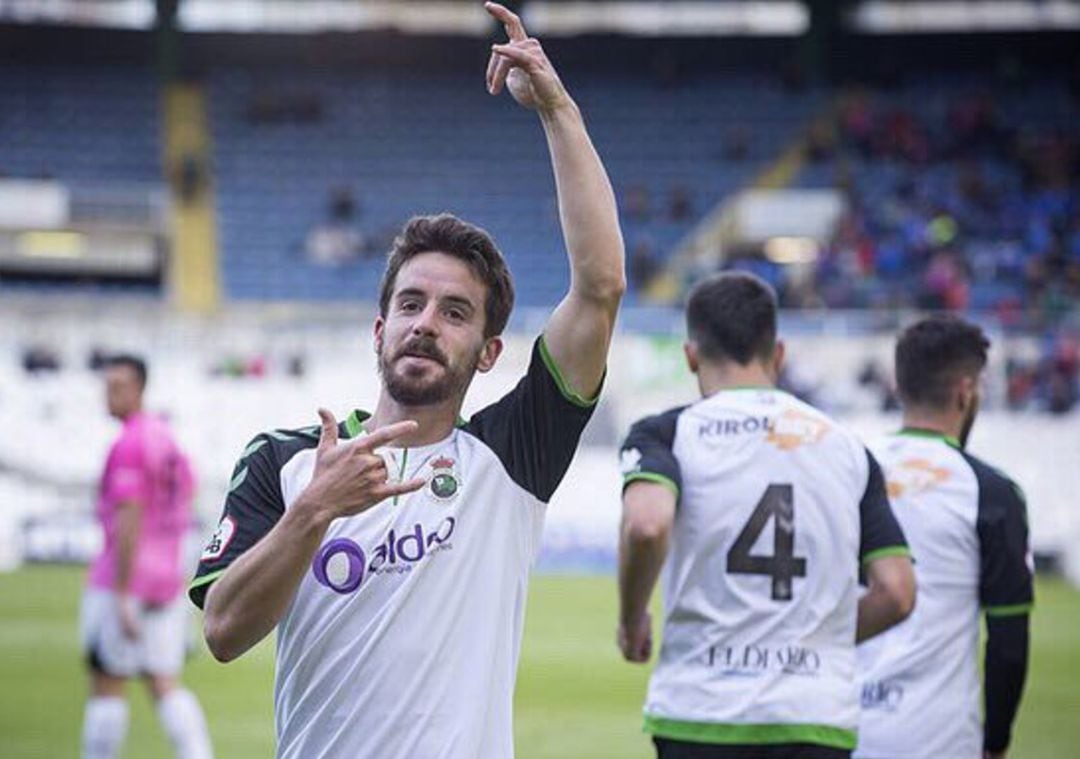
[{"x": 445, "y": 481}]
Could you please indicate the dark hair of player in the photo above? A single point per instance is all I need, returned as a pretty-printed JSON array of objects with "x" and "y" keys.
[
  {"x": 932, "y": 354},
  {"x": 732, "y": 317},
  {"x": 448, "y": 234},
  {"x": 131, "y": 361}
]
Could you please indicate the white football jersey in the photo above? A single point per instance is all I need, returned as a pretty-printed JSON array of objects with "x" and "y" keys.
[
  {"x": 402, "y": 640},
  {"x": 777, "y": 504},
  {"x": 967, "y": 526}
]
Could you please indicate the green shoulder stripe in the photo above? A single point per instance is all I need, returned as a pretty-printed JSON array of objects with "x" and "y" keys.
[
  {"x": 652, "y": 477},
  {"x": 199, "y": 582},
  {"x": 560, "y": 381},
  {"x": 881, "y": 553},
  {"x": 1014, "y": 610}
]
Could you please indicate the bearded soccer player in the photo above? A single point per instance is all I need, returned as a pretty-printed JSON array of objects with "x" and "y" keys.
[
  {"x": 133, "y": 615},
  {"x": 967, "y": 523},
  {"x": 764, "y": 509},
  {"x": 392, "y": 551}
]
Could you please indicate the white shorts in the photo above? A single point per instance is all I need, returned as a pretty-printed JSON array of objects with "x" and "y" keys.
[{"x": 158, "y": 650}]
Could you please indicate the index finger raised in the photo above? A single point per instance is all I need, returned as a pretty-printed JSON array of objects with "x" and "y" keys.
[
  {"x": 387, "y": 434},
  {"x": 515, "y": 29}
]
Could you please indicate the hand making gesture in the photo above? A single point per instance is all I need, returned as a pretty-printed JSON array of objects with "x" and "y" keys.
[
  {"x": 522, "y": 66},
  {"x": 351, "y": 478}
]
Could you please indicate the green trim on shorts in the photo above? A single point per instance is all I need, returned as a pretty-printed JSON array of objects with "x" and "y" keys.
[
  {"x": 560, "y": 381},
  {"x": 749, "y": 734},
  {"x": 652, "y": 477},
  {"x": 881, "y": 553},
  {"x": 1014, "y": 610}
]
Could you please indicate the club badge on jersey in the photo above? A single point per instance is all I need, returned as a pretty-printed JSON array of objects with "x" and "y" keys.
[{"x": 445, "y": 482}]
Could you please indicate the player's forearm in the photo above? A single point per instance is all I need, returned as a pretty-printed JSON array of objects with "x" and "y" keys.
[
  {"x": 641, "y": 557},
  {"x": 1007, "y": 643},
  {"x": 587, "y": 209},
  {"x": 248, "y": 601},
  {"x": 128, "y": 520},
  {"x": 879, "y": 609}
]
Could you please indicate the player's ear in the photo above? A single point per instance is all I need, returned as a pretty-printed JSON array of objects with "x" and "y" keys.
[
  {"x": 489, "y": 354},
  {"x": 967, "y": 390},
  {"x": 779, "y": 353},
  {"x": 693, "y": 360},
  {"x": 380, "y": 325}
]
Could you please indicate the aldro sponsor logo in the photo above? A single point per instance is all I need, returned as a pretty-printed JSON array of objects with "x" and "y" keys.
[
  {"x": 786, "y": 431},
  {"x": 343, "y": 566},
  {"x": 755, "y": 660}
]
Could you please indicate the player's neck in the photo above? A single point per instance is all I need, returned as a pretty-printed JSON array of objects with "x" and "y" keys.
[
  {"x": 712, "y": 378},
  {"x": 436, "y": 420},
  {"x": 927, "y": 421}
]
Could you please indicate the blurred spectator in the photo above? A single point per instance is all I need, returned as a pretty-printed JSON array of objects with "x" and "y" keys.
[
  {"x": 737, "y": 143},
  {"x": 681, "y": 207},
  {"x": 643, "y": 264},
  {"x": 636, "y": 205},
  {"x": 338, "y": 239},
  {"x": 40, "y": 359}
]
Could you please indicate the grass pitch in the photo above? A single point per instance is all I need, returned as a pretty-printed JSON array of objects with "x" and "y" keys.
[{"x": 576, "y": 699}]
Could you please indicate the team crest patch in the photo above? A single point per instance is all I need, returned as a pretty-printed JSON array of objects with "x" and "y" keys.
[
  {"x": 445, "y": 481},
  {"x": 219, "y": 541}
]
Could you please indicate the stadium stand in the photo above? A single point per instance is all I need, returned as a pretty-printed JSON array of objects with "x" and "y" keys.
[
  {"x": 83, "y": 124},
  {"x": 963, "y": 194},
  {"x": 407, "y": 142}
]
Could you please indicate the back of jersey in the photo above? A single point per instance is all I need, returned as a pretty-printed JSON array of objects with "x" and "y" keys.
[
  {"x": 966, "y": 526},
  {"x": 776, "y": 505}
]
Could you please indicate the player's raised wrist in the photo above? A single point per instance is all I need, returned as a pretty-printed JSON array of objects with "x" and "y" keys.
[
  {"x": 564, "y": 112},
  {"x": 310, "y": 513}
]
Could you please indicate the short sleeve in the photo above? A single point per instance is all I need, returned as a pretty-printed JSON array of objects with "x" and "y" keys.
[
  {"x": 880, "y": 534},
  {"x": 253, "y": 506},
  {"x": 128, "y": 481},
  {"x": 647, "y": 453},
  {"x": 535, "y": 428},
  {"x": 1006, "y": 577}
]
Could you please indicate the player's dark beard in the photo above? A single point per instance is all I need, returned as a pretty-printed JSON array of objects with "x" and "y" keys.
[
  {"x": 969, "y": 422},
  {"x": 425, "y": 392}
]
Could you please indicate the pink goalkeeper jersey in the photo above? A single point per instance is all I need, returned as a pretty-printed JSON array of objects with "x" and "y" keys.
[{"x": 146, "y": 467}]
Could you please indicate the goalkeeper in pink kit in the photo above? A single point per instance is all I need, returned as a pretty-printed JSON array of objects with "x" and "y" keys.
[{"x": 133, "y": 619}]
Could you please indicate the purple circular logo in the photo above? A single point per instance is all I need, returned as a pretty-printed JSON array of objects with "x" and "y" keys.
[{"x": 356, "y": 561}]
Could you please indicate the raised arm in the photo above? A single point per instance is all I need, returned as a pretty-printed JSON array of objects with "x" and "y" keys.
[{"x": 579, "y": 331}]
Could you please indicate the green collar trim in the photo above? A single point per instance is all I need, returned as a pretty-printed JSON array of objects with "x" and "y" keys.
[
  {"x": 354, "y": 423},
  {"x": 929, "y": 435}
]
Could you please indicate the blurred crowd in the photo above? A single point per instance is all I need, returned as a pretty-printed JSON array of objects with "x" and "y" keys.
[{"x": 955, "y": 212}]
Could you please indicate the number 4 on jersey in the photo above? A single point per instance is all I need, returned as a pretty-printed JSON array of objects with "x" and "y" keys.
[{"x": 778, "y": 501}]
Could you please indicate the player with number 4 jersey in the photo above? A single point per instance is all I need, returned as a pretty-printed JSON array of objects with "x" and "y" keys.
[{"x": 764, "y": 509}]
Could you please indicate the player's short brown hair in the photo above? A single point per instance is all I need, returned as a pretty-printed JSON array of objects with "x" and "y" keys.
[
  {"x": 932, "y": 354},
  {"x": 445, "y": 233},
  {"x": 732, "y": 317}
]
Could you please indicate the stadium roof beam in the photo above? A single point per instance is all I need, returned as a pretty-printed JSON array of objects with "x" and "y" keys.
[
  {"x": 678, "y": 18},
  {"x": 964, "y": 16}
]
